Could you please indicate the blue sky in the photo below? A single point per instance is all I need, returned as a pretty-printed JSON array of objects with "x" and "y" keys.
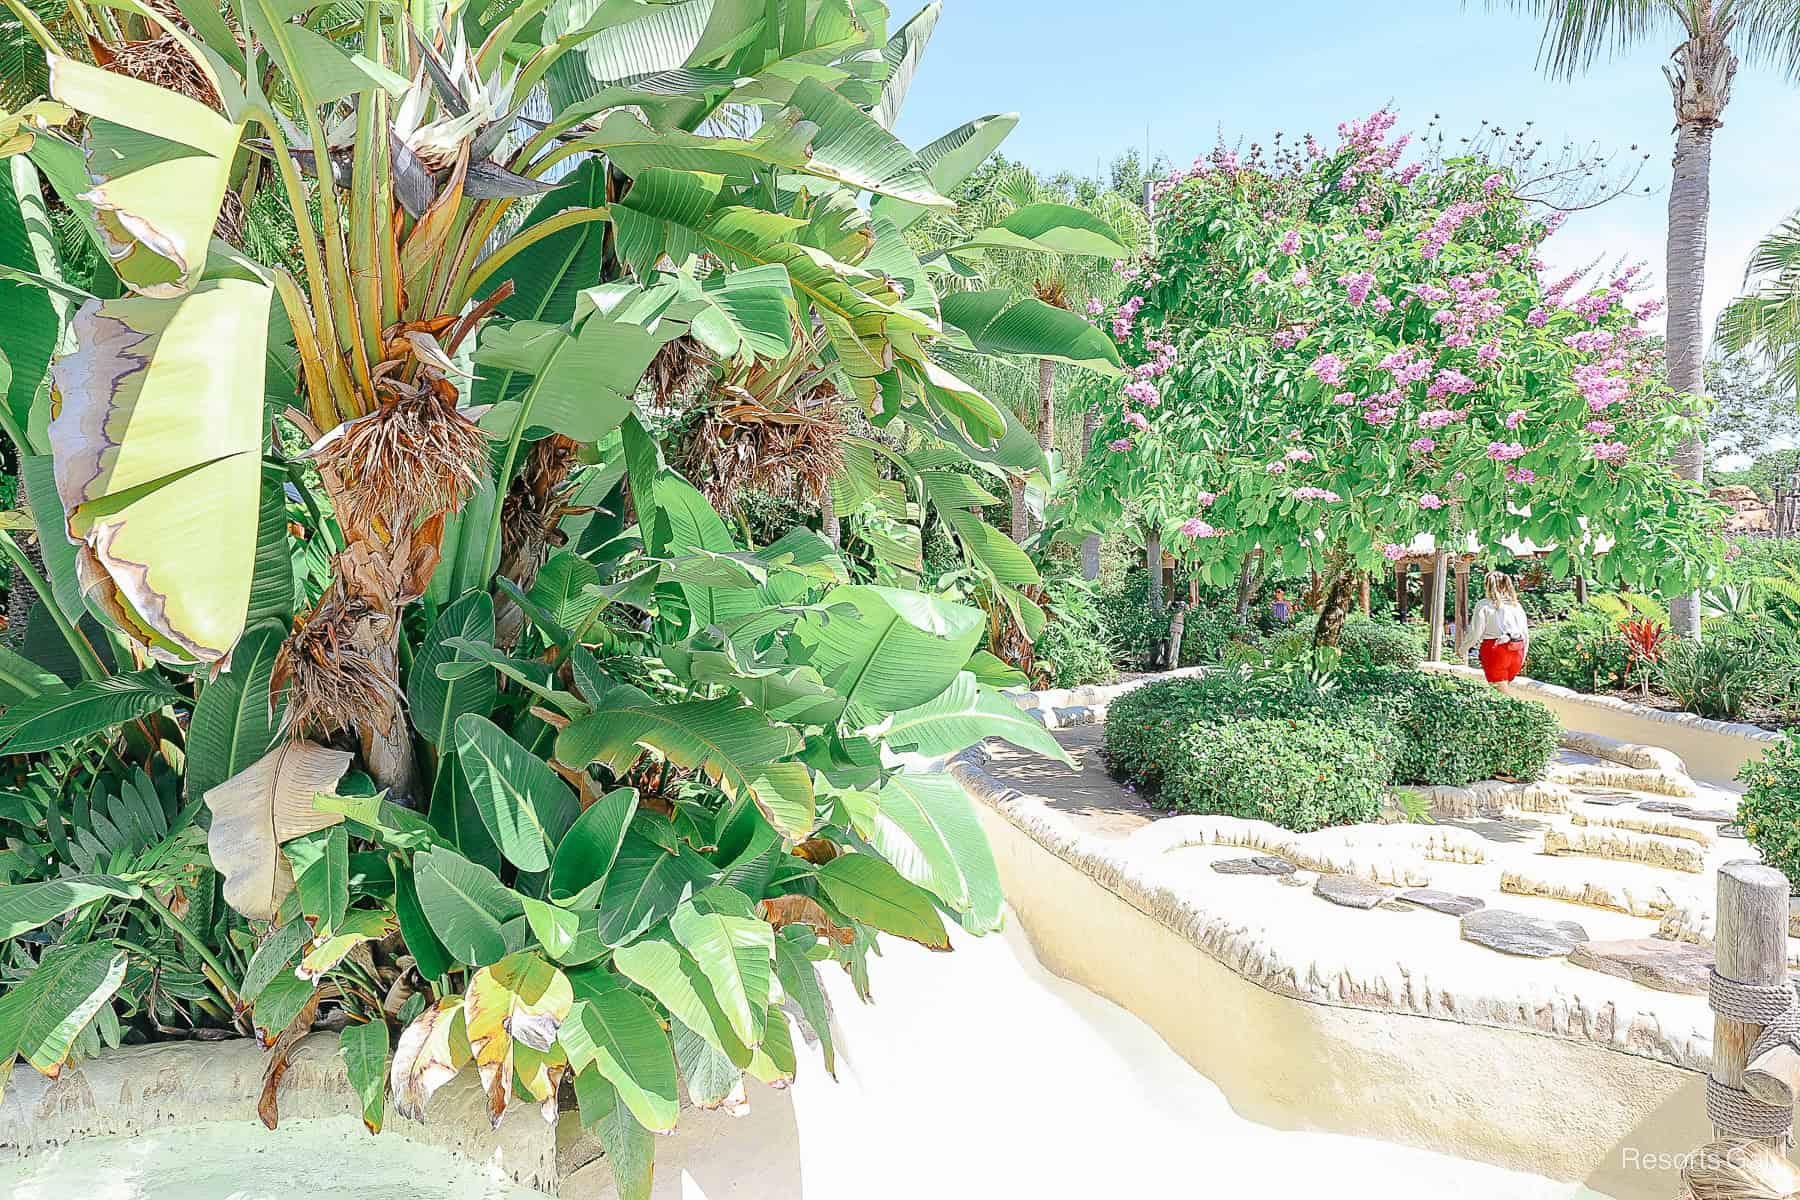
[{"x": 1089, "y": 79}]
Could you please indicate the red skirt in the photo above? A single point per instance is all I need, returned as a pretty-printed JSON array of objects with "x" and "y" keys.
[{"x": 1501, "y": 662}]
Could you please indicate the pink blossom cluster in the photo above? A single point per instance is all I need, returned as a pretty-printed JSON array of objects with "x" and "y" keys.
[
  {"x": 1431, "y": 500},
  {"x": 1520, "y": 475},
  {"x": 1611, "y": 452},
  {"x": 1444, "y": 228},
  {"x": 1119, "y": 445},
  {"x": 1438, "y": 418},
  {"x": 1290, "y": 243},
  {"x": 1489, "y": 354},
  {"x": 1095, "y": 306},
  {"x": 1423, "y": 445},
  {"x": 1194, "y": 527},
  {"x": 1276, "y": 468},
  {"x": 1142, "y": 392},
  {"x": 1601, "y": 384},
  {"x": 1515, "y": 418},
  {"x": 1206, "y": 499},
  {"x": 1357, "y": 287},
  {"x": 1394, "y": 551},
  {"x": 1505, "y": 451},
  {"x": 1290, "y": 337},
  {"x": 1329, "y": 368},
  {"x": 1344, "y": 398},
  {"x": 1128, "y": 311},
  {"x": 1406, "y": 368},
  {"x": 1138, "y": 421},
  {"x": 1299, "y": 455},
  {"x": 1449, "y": 382},
  {"x": 1590, "y": 341},
  {"x": 1316, "y": 493},
  {"x": 1599, "y": 428}
]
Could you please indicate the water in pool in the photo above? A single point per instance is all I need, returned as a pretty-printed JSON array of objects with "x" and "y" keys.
[{"x": 303, "y": 1160}]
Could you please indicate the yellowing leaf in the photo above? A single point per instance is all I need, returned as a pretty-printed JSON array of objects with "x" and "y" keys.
[
  {"x": 524, "y": 1000},
  {"x": 156, "y": 432},
  {"x": 259, "y": 808},
  {"x": 429, "y": 1054}
]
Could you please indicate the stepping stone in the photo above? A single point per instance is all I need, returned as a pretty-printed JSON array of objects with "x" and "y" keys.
[
  {"x": 1605, "y": 799},
  {"x": 1396, "y": 906},
  {"x": 1665, "y": 966},
  {"x": 1732, "y": 831},
  {"x": 1261, "y": 865},
  {"x": 1512, "y": 932},
  {"x": 1670, "y": 807},
  {"x": 1350, "y": 891},
  {"x": 1444, "y": 902},
  {"x": 1717, "y": 816}
]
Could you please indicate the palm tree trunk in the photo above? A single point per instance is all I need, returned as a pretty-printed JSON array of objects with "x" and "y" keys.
[
  {"x": 1021, "y": 516},
  {"x": 1690, "y": 203},
  {"x": 831, "y": 527},
  {"x": 1090, "y": 545}
]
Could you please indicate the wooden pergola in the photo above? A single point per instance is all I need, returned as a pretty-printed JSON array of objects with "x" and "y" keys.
[{"x": 1435, "y": 565}]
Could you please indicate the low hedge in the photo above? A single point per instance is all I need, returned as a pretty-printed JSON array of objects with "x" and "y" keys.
[{"x": 1254, "y": 744}]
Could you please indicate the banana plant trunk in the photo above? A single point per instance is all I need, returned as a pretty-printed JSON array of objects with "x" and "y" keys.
[
  {"x": 19, "y": 593},
  {"x": 1046, "y": 429},
  {"x": 1021, "y": 516}
]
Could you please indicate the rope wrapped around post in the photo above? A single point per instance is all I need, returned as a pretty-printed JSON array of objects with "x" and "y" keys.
[
  {"x": 1764, "y": 1106},
  {"x": 1755, "y": 1073}
]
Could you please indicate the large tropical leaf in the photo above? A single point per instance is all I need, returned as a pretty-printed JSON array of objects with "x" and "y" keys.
[
  {"x": 613, "y": 1031},
  {"x": 466, "y": 905},
  {"x": 521, "y": 801},
  {"x": 926, "y": 826},
  {"x": 902, "y": 54},
  {"x": 1051, "y": 229},
  {"x": 548, "y": 273},
  {"x": 582, "y": 380},
  {"x": 998, "y": 322},
  {"x": 965, "y": 715},
  {"x": 948, "y": 161},
  {"x": 259, "y": 808},
  {"x": 729, "y": 742},
  {"x": 41, "y": 1015},
  {"x": 887, "y": 650},
  {"x": 585, "y": 856},
  {"x": 58, "y": 718},
  {"x": 161, "y": 163},
  {"x": 436, "y": 702},
  {"x": 157, "y": 443},
  {"x": 34, "y": 315},
  {"x": 734, "y": 951},
  {"x": 643, "y": 887},
  {"x": 235, "y": 719},
  {"x": 867, "y": 889},
  {"x": 27, "y": 906},
  {"x": 663, "y": 969}
]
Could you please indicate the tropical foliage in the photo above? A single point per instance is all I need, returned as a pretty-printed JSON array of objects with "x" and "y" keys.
[
  {"x": 1339, "y": 354},
  {"x": 389, "y": 665}
]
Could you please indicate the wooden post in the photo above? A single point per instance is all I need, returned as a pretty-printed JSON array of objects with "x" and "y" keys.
[
  {"x": 1581, "y": 589},
  {"x": 1400, "y": 604},
  {"x": 1462, "y": 598},
  {"x": 1751, "y": 940},
  {"x": 1153, "y": 565},
  {"x": 1436, "y": 616}
]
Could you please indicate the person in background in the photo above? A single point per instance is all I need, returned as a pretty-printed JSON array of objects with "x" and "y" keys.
[
  {"x": 1499, "y": 628},
  {"x": 1281, "y": 610}
]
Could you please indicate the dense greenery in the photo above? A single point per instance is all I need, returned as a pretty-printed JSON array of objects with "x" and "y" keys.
[
  {"x": 1282, "y": 743},
  {"x": 450, "y": 708},
  {"x": 1770, "y": 809}
]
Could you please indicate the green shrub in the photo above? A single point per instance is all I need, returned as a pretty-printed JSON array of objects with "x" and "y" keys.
[
  {"x": 1207, "y": 633},
  {"x": 1770, "y": 809},
  {"x": 1301, "y": 773},
  {"x": 1585, "y": 653},
  {"x": 1368, "y": 643},
  {"x": 1184, "y": 741},
  {"x": 1074, "y": 647},
  {"x": 1717, "y": 677},
  {"x": 1134, "y": 628},
  {"x": 1453, "y": 733}
]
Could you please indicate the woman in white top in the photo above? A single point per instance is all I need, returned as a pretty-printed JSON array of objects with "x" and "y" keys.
[{"x": 1498, "y": 625}]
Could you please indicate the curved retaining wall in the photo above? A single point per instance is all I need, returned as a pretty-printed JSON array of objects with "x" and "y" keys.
[
  {"x": 139, "y": 1088},
  {"x": 1712, "y": 750}
]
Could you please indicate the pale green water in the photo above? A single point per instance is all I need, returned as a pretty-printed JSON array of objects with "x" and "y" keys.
[{"x": 333, "y": 1159}]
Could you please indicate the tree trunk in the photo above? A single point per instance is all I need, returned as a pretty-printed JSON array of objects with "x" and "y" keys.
[
  {"x": 1021, "y": 516},
  {"x": 1090, "y": 545},
  {"x": 1700, "y": 77},
  {"x": 1250, "y": 578},
  {"x": 1336, "y": 608},
  {"x": 1177, "y": 625},
  {"x": 1046, "y": 429},
  {"x": 1153, "y": 564}
]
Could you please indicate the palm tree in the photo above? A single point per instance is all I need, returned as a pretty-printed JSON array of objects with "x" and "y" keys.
[
  {"x": 1765, "y": 321},
  {"x": 1712, "y": 34}
]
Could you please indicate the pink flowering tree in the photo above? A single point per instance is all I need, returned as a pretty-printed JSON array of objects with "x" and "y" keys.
[{"x": 1336, "y": 353}]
